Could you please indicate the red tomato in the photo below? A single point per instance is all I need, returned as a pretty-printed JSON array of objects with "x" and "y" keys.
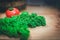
[{"x": 14, "y": 11}]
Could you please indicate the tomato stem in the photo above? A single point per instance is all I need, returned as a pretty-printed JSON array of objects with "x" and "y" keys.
[{"x": 11, "y": 8}]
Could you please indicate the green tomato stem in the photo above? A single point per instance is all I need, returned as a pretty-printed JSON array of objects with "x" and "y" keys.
[{"x": 11, "y": 8}]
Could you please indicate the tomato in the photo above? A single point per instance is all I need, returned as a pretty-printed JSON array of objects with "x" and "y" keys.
[{"x": 12, "y": 12}]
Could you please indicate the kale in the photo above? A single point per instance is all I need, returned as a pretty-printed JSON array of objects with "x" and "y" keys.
[{"x": 17, "y": 26}]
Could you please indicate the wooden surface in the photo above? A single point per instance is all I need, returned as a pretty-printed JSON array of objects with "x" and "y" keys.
[{"x": 49, "y": 32}]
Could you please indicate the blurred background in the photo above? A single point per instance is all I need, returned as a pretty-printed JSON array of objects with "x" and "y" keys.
[{"x": 21, "y": 4}]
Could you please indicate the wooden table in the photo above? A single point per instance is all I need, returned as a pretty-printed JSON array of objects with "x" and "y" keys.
[{"x": 50, "y": 32}]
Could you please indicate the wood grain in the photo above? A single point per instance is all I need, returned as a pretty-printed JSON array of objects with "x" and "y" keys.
[{"x": 49, "y": 32}]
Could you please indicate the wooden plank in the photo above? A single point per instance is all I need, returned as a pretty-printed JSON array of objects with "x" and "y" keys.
[{"x": 50, "y": 32}]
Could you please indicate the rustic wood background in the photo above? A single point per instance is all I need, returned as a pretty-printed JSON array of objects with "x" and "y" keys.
[{"x": 49, "y": 32}]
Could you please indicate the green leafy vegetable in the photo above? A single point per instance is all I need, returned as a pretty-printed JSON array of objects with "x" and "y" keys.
[{"x": 17, "y": 26}]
